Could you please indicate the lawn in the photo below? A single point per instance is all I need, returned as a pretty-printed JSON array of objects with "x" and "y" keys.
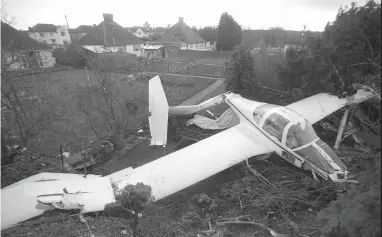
[{"x": 71, "y": 129}]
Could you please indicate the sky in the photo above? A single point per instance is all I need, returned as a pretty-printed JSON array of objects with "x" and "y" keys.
[{"x": 255, "y": 14}]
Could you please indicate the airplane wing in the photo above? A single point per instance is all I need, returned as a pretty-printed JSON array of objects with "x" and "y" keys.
[
  {"x": 194, "y": 163},
  {"x": 319, "y": 106}
]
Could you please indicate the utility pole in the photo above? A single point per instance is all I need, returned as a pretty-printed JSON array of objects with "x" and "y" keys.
[
  {"x": 302, "y": 34},
  {"x": 67, "y": 25}
]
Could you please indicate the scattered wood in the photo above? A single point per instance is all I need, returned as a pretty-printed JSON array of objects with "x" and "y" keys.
[
  {"x": 271, "y": 231},
  {"x": 262, "y": 178}
]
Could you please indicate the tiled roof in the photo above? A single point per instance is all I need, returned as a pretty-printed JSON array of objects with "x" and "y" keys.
[
  {"x": 159, "y": 29},
  {"x": 12, "y": 39},
  {"x": 82, "y": 29},
  {"x": 180, "y": 32},
  {"x": 115, "y": 35},
  {"x": 44, "y": 28}
]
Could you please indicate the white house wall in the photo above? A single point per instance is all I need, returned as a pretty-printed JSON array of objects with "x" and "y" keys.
[
  {"x": 134, "y": 49},
  {"x": 47, "y": 37},
  {"x": 196, "y": 46}
]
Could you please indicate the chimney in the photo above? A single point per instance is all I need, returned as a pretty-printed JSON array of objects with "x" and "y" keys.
[
  {"x": 107, "y": 17},
  {"x": 181, "y": 19},
  {"x": 94, "y": 25}
]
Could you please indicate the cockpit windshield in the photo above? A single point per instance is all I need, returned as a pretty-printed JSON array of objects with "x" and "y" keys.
[
  {"x": 259, "y": 112},
  {"x": 311, "y": 154},
  {"x": 332, "y": 154},
  {"x": 298, "y": 136},
  {"x": 274, "y": 125}
]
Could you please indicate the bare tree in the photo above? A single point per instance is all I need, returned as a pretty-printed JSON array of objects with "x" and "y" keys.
[
  {"x": 5, "y": 17},
  {"x": 106, "y": 111}
]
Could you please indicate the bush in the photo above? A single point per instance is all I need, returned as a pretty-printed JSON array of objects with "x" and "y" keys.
[
  {"x": 358, "y": 212},
  {"x": 70, "y": 59}
]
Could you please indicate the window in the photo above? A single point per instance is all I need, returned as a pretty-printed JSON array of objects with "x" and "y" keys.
[
  {"x": 45, "y": 41},
  {"x": 297, "y": 136},
  {"x": 259, "y": 112},
  {"x": 42, "y": 34},
  {"x": 53, "y": 41},
  {"x": 65, "y": 42},
  {"x": 51, "y": 34},
  {"x": 63, "y": 34},
  {"x": 274, "y": 125},
  {"x": 311, "y": 154},
  {"x": 331, "y": 153}
]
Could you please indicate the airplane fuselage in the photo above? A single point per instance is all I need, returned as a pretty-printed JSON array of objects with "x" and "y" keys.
[{"x": 291, "y": 136}]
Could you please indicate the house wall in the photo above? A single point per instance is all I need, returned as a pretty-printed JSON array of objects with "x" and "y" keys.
[
  {"x": 23, "y": 60},
  {"x": 117, "y": 48},
  {"x": 141, "y": 34},
  {"x": 135, "y": 49},
  {"x": 196, "y": 46},
  {"x": 54, "y": 39}
]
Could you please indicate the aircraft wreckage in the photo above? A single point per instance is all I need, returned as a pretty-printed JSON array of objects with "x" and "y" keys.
[{"x": 260, "y": 128}]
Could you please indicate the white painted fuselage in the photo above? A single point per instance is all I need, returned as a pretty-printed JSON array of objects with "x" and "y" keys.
[{"x": 310, "y": 154}]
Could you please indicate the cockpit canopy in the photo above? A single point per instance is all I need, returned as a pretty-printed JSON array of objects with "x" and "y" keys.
[
  {"x": 297, "y": 134},
  {"x": 276, "y": 125}
]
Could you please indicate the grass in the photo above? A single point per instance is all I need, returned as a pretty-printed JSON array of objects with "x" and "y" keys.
[{"x": 72, "y": 129}]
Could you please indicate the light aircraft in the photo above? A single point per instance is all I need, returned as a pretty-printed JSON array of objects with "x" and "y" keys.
[{"x": 262, "y": 128}]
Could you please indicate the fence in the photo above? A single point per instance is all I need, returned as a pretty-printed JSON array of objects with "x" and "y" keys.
[
  {"x": 187, "y": 68},
  {"x": 193, "y": 55}
]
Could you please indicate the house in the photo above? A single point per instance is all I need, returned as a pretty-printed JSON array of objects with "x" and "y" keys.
[
  {"x": 55, "y": 36},
  {"x": 79, "y": 32},
  {"x": 142, "y": 33},
  {"x": 182, "y": 35},
  {"x": 18, "y": 51},
  {"x": 110, "y": 36}
]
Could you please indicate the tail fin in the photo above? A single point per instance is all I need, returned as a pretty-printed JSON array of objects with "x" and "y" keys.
[{"x": 158, "y": 109}]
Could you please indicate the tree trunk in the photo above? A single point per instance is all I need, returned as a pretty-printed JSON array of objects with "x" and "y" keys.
[{"x": 341, "y": 129}]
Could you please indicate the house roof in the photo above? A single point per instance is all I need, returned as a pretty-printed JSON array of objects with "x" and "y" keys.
[
  {"x": 43, "y": 28},
  {"x": 12, "y": 39},
  {"x": 115, "y": 35},
  {"x": 180, "y": 32},
  {"x": 82, "y": 29},
  {"x": 159, "y": 29},
  {"x": 135, "y": 28}
]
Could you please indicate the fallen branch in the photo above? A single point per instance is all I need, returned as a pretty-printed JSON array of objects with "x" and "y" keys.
[
  {"x": 338, "y": 74},
  {"x": 341, "y": 129},
  {"x": 266, "y": 181},
  {"x": 272, "y": 232}
]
